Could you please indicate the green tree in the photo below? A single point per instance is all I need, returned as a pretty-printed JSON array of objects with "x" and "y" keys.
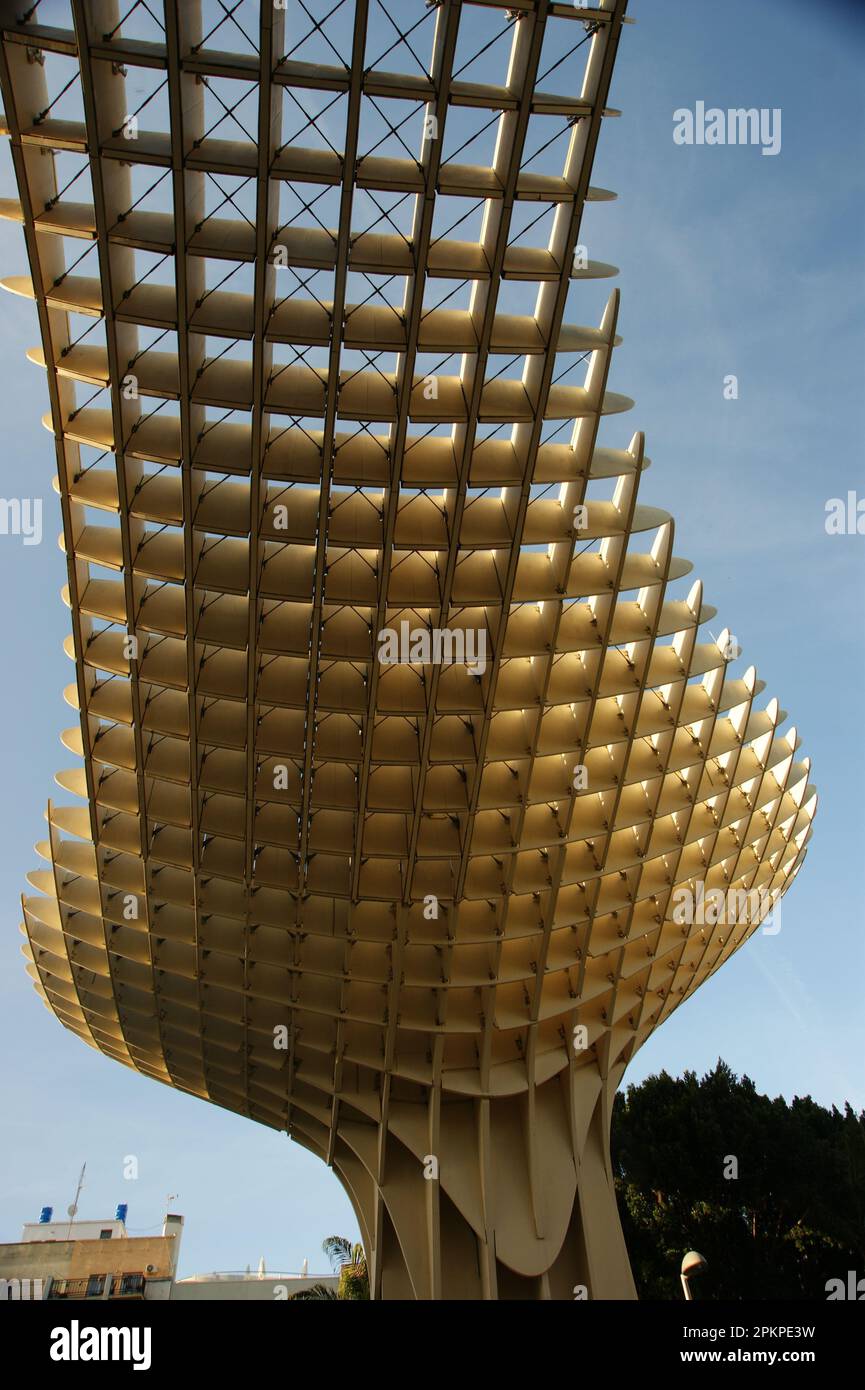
[
  {"x": 350, "y": 1262},
  {"x": 770, "y": 1193}
]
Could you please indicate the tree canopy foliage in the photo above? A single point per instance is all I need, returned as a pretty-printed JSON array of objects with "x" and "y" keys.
[{"x": 792, "y": 1219}]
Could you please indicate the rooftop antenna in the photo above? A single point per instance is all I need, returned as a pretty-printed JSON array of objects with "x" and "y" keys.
[{"x": 72, "y": 1211}]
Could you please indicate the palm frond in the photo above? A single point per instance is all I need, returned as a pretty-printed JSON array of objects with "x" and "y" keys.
[{"x": 338, "y": 1250}]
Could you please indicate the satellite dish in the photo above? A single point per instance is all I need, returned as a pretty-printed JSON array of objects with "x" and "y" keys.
[{"x": 70, "y": 1211}]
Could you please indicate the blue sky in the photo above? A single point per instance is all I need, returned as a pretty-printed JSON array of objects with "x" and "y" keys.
[{"x": 731, "y": 262}]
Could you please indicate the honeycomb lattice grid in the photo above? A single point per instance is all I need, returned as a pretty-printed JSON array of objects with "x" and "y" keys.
[{"x": 369, "y": 904}]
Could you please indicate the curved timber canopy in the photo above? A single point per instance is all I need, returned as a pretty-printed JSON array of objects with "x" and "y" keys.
[{"x": 397, "y": 732}]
